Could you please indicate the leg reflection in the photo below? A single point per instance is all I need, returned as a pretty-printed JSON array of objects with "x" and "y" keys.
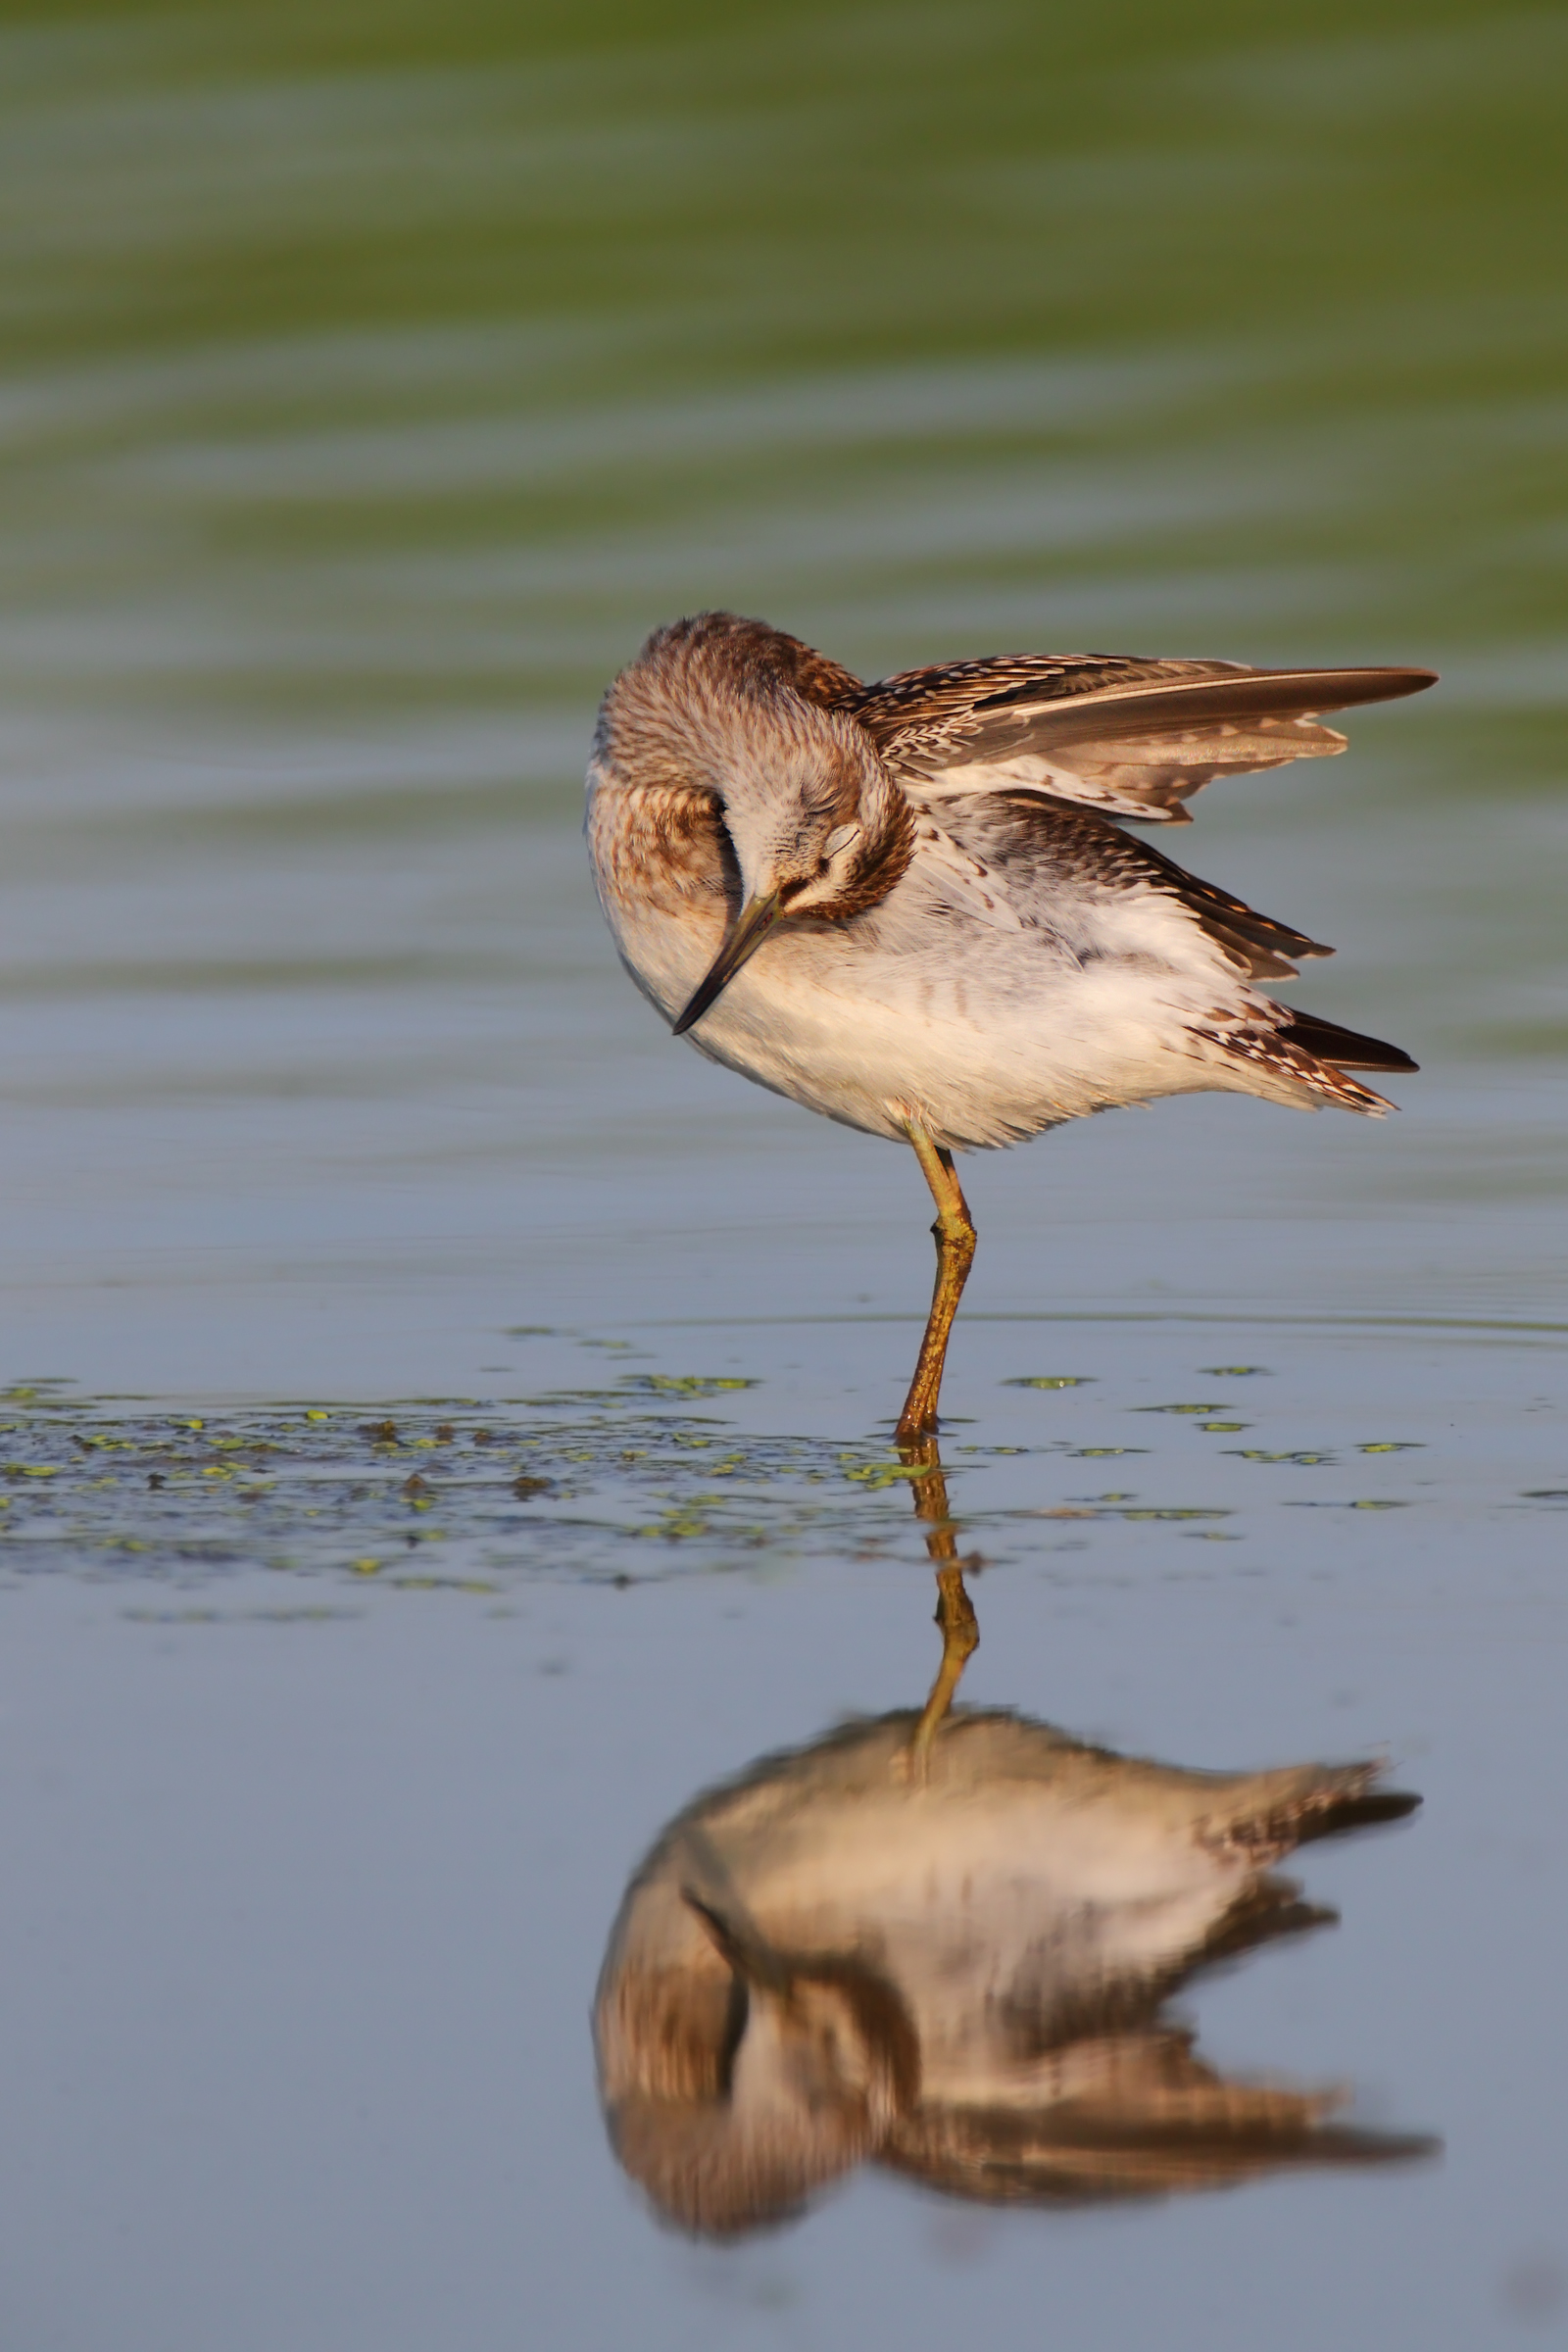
[{"x": 961, "y": 1632}]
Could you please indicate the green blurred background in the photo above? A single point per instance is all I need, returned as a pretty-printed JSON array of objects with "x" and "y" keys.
[{"x": 423, "y": 355}]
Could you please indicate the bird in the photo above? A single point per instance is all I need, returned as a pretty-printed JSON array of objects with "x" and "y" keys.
[
  {"x": 912, "y": 905},
  {"x": 957, "y": 1974}
]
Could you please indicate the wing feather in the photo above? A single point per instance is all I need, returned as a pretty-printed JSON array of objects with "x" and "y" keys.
[{"x": 1130, "y": 737}]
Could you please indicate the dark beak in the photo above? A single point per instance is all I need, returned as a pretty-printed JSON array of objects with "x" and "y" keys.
[{"x": 752, "y": 926}]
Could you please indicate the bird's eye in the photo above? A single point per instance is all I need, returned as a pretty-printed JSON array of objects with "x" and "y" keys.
[{"x": 838, "y": 839}]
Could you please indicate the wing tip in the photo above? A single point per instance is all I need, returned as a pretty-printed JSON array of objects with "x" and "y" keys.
[{"x": 1395, "y": 681}]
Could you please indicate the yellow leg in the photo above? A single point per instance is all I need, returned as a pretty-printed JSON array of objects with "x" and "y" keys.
[
  {"x": 961, "y": 1632},
  {"x": 954, "y": 1240}
]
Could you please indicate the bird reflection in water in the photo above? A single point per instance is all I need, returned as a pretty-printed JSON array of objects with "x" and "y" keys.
[{"x": 942, "y": 1942}]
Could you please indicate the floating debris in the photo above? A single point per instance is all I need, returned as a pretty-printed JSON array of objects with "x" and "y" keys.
[
  {"x": 1258, "y": 1453},
  {"x": 642, "y": 1479},
  {"x": 1363, "y": 1502},
  {"x": 340, "y": 1496},
  {"x": 1111, "y": 1506},
  {"x": 1178, "y": 1408},
  {"x": 683, "y": 1384}
]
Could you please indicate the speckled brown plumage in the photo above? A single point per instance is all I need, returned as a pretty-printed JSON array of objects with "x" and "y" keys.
[
  {"x": 993, "y": 790},
  {"x": 911, "y": 905}
]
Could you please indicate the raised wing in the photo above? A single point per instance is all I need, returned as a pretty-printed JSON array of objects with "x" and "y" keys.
[{"x": 1132, "y": 738}]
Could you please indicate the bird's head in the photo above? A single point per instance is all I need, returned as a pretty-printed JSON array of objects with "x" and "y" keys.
[
  {"x": 818, "y": 827},
  {"x": 731, "y": 2114},
  {"x": 820, "y": 830},
  {"x": 822, "y": 2036},
  {"x": 809, "y": 828}
]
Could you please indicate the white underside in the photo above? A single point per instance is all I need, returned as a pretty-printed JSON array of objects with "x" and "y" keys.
[{"x": 953, "y": 1004}]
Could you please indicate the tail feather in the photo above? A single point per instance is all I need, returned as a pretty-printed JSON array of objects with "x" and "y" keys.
[
  {"x": 1309, "y": 1054},
  {"x": 1346, "y": 1048}
]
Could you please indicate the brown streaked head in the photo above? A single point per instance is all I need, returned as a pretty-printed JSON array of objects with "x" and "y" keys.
[{"x": 820, "y": 830}]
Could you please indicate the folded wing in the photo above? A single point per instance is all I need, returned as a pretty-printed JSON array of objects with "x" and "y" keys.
[{"x": 1130, "y": 737}]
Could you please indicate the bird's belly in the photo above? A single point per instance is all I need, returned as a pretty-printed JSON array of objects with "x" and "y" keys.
[
  {"x": 985, "y": 1043},
  {"x": 981, "y": 1052}
]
